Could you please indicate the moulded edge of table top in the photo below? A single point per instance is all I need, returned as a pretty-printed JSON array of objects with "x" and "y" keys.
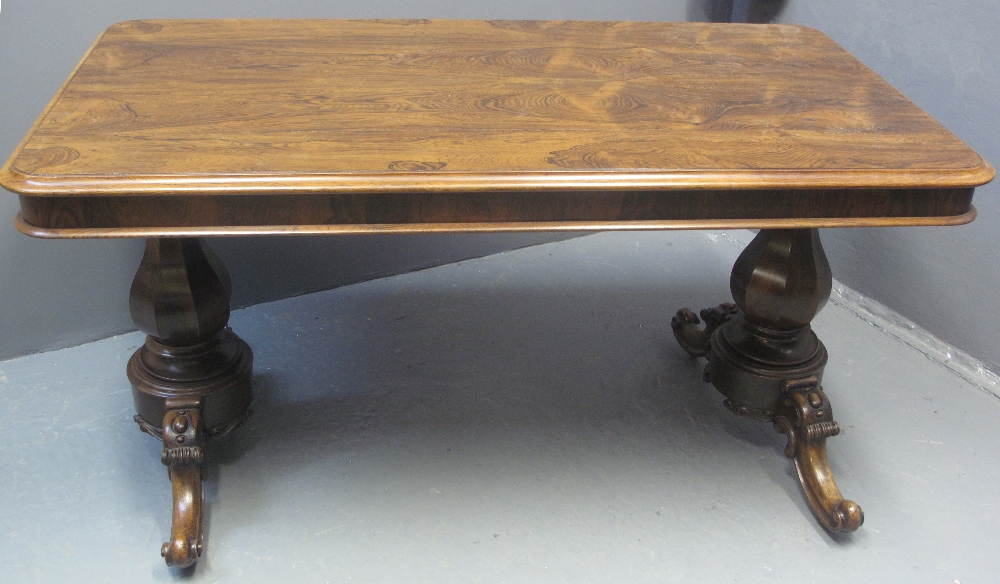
[
  {"x": 677, "y": 225},
  {"x": 41, "y": 185}
]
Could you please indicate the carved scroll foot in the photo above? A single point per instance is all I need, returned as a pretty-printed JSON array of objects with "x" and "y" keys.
[
  {"x": 693, "y": 338},
  {"x": 183, "y": 442},
  {"x": 806, "y": 418}
]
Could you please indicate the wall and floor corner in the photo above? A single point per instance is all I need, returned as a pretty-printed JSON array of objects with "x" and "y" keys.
[
  {"x": 939, "y": 54},
  {"x": 943, "y": 55}
]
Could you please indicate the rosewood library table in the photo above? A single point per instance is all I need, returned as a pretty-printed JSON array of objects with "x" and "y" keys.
[{"x": 175, "y": 130}]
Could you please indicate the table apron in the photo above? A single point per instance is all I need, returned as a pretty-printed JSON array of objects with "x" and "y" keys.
[{"x": 324, "y": 213}]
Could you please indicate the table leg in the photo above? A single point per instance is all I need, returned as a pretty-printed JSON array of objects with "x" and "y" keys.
[
  {"x": 192, "y": 379},
  {"x": 765, "y": 359}
]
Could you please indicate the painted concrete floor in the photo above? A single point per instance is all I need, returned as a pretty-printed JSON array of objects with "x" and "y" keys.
[{"x": 525, "y": 417}]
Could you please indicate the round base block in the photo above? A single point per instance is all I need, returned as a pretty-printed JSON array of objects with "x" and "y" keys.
[
  {"x": 218, "y": 371},
  {"x": 750, "y": 365}
]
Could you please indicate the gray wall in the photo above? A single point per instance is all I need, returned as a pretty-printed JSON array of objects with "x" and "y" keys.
[
  {"x": 945, "y": 56},
  {"x": 60, "y": 293}
]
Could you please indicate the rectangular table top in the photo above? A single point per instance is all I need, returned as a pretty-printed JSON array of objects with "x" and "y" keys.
[{"x": 393, "y": 123}]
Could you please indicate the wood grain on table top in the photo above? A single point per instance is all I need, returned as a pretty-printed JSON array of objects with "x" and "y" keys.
[{"x": 333, "y": 106}]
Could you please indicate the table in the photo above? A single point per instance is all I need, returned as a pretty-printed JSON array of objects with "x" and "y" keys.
[{"x": 175, "y": 130}]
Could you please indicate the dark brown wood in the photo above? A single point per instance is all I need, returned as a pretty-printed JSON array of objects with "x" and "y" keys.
[
  {"x": 320, "y": 213},
  {"x": 780, "y": 282},
  {"x": 767, "y": 362},
  {"x": 289, "y": 126},
  {"x": 179, "y": 295},
  {"x": 192, "y": 379},
  {"x": 782, "y": 279},
  {"x": 692, "y": 337}
]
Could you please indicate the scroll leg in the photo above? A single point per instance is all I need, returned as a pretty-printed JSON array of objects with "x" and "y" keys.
[
  {"x": 183, "y": 439},
  {"x": 806, "y": 418},
  {"x": 193, "y": 375}
]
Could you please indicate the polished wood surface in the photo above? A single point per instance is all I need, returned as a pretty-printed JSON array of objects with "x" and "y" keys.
[{"x": 335, "y": 122}]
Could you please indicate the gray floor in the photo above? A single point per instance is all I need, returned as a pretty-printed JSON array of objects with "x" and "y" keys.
[{"x": 524, "y": 417}]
